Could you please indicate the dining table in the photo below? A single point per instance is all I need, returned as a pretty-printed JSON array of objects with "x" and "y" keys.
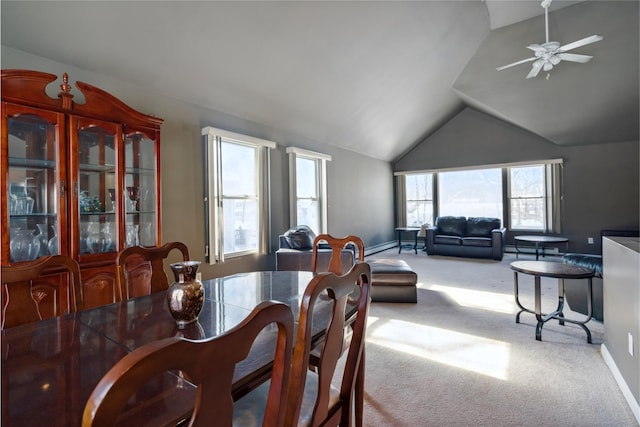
[{"x": 50, "y": 367}]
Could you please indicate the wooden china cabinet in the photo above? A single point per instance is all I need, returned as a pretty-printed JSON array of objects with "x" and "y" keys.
[{"x": 79, "y": 177}]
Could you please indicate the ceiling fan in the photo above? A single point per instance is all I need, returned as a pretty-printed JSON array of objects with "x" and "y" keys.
[{"x": 549, "y": 54}]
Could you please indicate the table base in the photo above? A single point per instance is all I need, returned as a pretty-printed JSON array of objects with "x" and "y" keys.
[
  {"x": 557, "y": 314},
  {"x": 415, "y": 231}
]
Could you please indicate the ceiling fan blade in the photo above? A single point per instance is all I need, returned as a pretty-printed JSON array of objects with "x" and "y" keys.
[
  {"x": 535, "y": 69},
  {"x": 582, "y": 42},
  {"x": 516, "y": 63},
  {"x": 536, "y": 48},
  {"x": 574, "y": 57}
]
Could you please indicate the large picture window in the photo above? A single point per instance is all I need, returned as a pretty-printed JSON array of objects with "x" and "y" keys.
[
  {"x": 525, "y": 196},
  {"x": 237, "y": 189},
  {"x": 471, "y": 193},
  {"x": 308, "y": 189}
]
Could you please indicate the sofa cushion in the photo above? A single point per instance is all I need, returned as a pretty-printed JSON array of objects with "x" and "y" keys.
[
  {"x": 481, "y": 226},
  {"x": 301, "y": 238},
  {"x": 446, "y": 240},
  {"x": 452, "y": 225},
  {"x": 484, "y": 242}
]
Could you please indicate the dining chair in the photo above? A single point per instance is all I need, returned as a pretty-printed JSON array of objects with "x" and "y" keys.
[
  {"x": 336, "y": 244},
  {"x": 208, "y": 364},
  {"x": 318, "y": 401},
  {"x": 141, "y": 269},
  {"x": 30, "y": 286}
]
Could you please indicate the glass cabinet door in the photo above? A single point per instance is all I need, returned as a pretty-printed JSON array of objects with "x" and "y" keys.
[
  {"x": 97, "y": 200},
  {"x": 140, "y": 190},
  {"x": 34, "y": 182}
]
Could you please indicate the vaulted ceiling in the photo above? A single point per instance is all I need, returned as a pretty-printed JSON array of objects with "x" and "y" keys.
[{"x": 371, "y": 77}]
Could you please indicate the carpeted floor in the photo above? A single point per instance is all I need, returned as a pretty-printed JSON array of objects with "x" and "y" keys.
[{"x": 457, "y": 357}]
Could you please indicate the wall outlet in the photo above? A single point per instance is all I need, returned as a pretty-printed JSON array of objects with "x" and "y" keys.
[
  {"x": 590, "y": 240},
  {"x": 199, "y": 276},
  {"x": 630, "y": 344}
]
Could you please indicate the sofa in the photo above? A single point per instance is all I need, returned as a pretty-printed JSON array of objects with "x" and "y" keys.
[
  {"x": 473, "y": 237},
  {"x": 296, "y": 247}
]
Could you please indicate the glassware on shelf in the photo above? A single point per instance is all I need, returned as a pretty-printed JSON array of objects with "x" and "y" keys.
[
  {"x": 133, "y": 193},
  {"x": 13, "y": 204},
  {"x": 24, "y": 246},
  {"x": 52, "y": 245},
  {"x": 20, "y": 203},
  {"x": 85, "y": 229},
  {"x": 147, "y": 236},
  {"x": 132, "y": 235},
  {"x": 112, "y": 196},
  {"x": 98, "y": 242},
  {"x": 109, "y": 230},
  {"x": 43, "y": 238}
]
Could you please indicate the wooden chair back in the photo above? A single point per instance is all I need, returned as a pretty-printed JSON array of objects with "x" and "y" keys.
[
  {"x": 318, "y": 403},
  {"x": 336, "y": 244},
  {"x": 209, "y": 364},
  {"x": 25, "y": 285},
  {"x": 141, "y": 270}
]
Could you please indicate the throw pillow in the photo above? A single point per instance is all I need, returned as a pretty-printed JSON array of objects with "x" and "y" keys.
[{"x": 301, "y": 237}]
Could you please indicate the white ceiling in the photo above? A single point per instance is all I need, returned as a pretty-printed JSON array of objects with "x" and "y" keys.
[{"x": 369, "y": 76}]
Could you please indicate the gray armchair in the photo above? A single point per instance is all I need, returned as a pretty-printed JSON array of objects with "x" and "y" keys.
[{"x": 296, "y": 248}]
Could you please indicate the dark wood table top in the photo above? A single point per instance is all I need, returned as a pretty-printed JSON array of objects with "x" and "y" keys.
[
  {"x": 552, "y": 269},
  {"x": 542, "y": 239},
  {"x": 49, "y": 368}
]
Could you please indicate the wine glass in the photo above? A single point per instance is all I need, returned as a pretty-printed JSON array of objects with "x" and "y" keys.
[
  {"x": 134, "y": 196},
  {"x": 112, "y": 196}
]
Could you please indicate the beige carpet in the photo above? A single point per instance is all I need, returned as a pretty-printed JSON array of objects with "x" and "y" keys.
[{"x": 457, "y": 357}]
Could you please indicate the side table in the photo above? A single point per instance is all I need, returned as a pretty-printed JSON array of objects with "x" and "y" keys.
[
  {"x": 413, "y": 230},
  {"x": 539, "y": 242},
  {"x": 560, "y": 271}
]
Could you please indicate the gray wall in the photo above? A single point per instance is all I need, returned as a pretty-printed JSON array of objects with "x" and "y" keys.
[
  {"x": 600, "y": 181},
  {"x": 354, "y": 208},
  {"x": 621, "y": 275}
]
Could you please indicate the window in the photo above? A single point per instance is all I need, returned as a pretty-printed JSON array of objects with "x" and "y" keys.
[
  {"x": 308, "y": 189},
  {"x": 470, "y": 193},
  {"x": 236, "y": 189},
  {"x": 535, "y": 197},
  {"x": 419, "y": 199},
  {"x": 525, "y": 196}
]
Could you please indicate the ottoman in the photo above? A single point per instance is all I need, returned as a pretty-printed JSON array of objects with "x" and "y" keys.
[{"x": 393, "y": 281}]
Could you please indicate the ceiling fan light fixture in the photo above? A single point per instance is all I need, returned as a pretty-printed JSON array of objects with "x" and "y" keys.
[{"x": 552, "y": 53}]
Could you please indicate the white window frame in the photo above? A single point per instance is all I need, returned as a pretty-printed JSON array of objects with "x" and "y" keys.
[
  {"x": 213, "y": 197},
  {"x": 321, "y": 185},
  {"x": 427, "y": 201}
]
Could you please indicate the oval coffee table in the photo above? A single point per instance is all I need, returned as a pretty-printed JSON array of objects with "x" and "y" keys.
[{"x": 558, "y": 270}]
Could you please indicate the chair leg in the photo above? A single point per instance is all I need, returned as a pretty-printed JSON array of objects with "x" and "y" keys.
[{"x": 359, "y": 395}]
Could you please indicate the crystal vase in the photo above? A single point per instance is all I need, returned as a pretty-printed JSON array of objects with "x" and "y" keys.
[
  {"x": 24, "y": 246},
  {"x": 185, "y": 296}
]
